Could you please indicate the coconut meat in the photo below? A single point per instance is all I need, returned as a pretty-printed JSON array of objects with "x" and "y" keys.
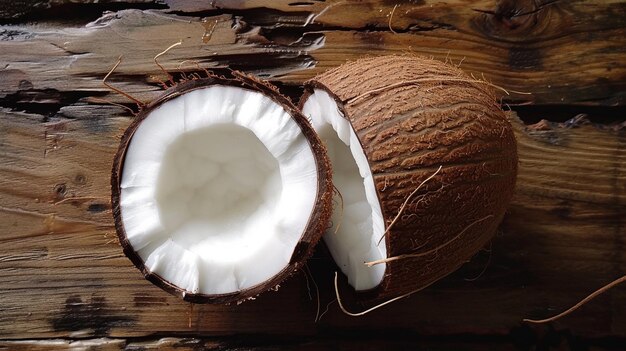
[
  {"x": 357, "y": 221},
  {"x": 217, "y": 188}
]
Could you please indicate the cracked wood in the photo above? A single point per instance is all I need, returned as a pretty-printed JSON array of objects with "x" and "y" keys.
[{"x": 548, "y": 52}]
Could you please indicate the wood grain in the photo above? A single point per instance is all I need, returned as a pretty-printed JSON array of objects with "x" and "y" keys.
[
  {"x": 553, "y": 52},
  {"x": 193, "y": 344},
  {"x": 64, "y": 274},
  {"x": 370, "y": 344}
]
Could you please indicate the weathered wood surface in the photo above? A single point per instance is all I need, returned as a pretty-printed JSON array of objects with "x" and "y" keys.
[
  {"x": 560, "y": 52},
  {"x": 555, "y": 342},
  {"x": 191, "y": 344},
  {"x": 63, "y": 274}
]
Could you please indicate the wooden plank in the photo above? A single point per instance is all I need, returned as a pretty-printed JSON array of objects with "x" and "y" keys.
[
  {"x": 192, "y": 344},
  {"x": 36, "y": 55},
  {"x": 540, "y": 47},
  {"x": 559, "y": 52},
  {"x": 62, "y": 273},
  {"x": 553, "y": 341}
]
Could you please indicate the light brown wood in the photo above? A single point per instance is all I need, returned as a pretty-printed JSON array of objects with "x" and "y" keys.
[
  {"x": 63, "y": 274},
  {"x": 555, "y": 52}
]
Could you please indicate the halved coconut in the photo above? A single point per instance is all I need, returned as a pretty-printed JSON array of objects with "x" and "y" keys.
[
  {"x": 425, "y": 161},
  {"x": 220, "y": 190}
]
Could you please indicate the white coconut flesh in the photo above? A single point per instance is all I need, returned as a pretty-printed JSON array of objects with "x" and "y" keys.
[
  {"x": 357, "y": 222},
  {"x": 217, "y": 188}
]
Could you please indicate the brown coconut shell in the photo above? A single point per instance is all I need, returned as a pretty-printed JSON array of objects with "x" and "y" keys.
[
  {"x": 318, "y": 221},
  {"x": 413, "y": 115}
]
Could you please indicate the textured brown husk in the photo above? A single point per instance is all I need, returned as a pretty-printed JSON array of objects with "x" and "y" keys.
[
  {"x": 318, "y": 221},
  {"x": 411, "y": 116}
]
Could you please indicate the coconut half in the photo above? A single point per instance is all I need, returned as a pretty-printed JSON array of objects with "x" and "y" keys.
[
  {"x": 220, "y": 190},
  {"x": 425, "y": 162}
]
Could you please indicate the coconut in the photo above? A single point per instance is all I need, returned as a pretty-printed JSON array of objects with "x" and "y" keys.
[
  {"x": 220, "y": 189},
  {"x": 425, "y": 162}
]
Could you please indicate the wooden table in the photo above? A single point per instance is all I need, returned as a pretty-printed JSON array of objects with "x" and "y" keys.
[{"x": 64, "y": 281}]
